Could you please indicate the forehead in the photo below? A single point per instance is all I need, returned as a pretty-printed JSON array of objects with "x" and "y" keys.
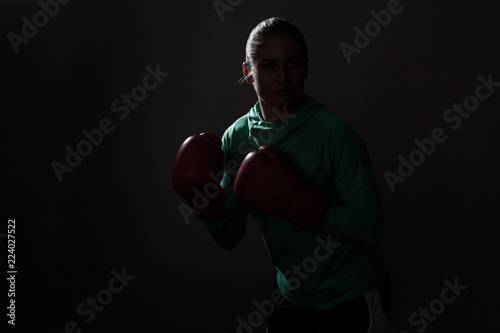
[{"x": 278, "y": 47}]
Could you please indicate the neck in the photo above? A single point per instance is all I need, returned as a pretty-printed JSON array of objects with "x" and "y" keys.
[{"x": 271, "y": 113}]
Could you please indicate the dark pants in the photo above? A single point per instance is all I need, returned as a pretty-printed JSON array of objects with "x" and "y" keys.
[{"x": 350, "y": 316}]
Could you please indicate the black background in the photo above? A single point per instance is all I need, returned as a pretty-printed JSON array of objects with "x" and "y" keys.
[{"x": 118, "y": 209}]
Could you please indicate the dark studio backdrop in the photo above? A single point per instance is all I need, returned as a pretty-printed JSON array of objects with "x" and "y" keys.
[{"x": 111, "y": 229}]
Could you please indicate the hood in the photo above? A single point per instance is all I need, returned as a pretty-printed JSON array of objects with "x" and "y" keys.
[{"x": 264, "y": 133}]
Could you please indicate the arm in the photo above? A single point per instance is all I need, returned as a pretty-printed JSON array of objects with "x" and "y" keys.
[
  {"x": 229, "y": 229},
  {"x": 358, "y": 215}
]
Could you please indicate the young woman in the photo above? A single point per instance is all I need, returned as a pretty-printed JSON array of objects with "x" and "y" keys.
[{"x": 306, "y": 178}]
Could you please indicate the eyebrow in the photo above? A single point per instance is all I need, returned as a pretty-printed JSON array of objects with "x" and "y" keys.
[{"x": 292, "y": 57}]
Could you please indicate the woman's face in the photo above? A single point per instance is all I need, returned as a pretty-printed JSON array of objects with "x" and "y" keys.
[{"x": 278, "y": 72}]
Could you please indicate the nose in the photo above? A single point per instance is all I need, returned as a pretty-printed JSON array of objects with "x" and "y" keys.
[{"x": 283, "y": 74}]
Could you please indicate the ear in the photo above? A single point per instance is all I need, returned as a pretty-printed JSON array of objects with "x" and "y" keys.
[{"x": 247, "y": 73}]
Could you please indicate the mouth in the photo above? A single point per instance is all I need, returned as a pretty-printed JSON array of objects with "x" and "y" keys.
[{"x": 283, "y": 92}]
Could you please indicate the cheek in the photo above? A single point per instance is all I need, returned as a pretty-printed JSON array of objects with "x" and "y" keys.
[
  {"x": 260, "y": 90},
  {"x": 261, "y": 83},
  {"x": 300, "y": 76}
]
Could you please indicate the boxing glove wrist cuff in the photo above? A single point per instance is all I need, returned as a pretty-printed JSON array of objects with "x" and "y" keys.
[{"x": 309, "y": 207}]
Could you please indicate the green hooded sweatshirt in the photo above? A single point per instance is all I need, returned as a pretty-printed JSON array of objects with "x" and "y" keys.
[{"x": 339, "y": 258}]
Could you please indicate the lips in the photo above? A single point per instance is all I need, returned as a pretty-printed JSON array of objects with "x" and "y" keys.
[{"x": 283, "y": 92}]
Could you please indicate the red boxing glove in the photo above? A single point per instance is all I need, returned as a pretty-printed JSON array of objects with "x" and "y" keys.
[
  {"x": 267, "y": 181},
  {"x": 198, "y": 170}
]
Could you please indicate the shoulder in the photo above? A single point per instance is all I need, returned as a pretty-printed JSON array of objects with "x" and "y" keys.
[
  {"x": 235, "y": 141},
  {"x": 237, "y": 131},
  {"x": 237, "y": 127},
  {"x": 328, "y": 125},
  {"x": 334, "y": 136}
]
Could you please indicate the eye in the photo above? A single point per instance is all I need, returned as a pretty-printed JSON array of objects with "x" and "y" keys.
[
  {"x": 268, "y": 66},
  {"x": 294, "y": 63}
]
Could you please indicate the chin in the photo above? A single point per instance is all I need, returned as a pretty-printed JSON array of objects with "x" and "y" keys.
[{"x": 286, "y": 102}]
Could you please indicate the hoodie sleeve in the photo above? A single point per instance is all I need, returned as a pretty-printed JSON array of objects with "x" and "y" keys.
[
  {"x": 229, "y": 229},
  {"x": 358, "y": 214}
]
